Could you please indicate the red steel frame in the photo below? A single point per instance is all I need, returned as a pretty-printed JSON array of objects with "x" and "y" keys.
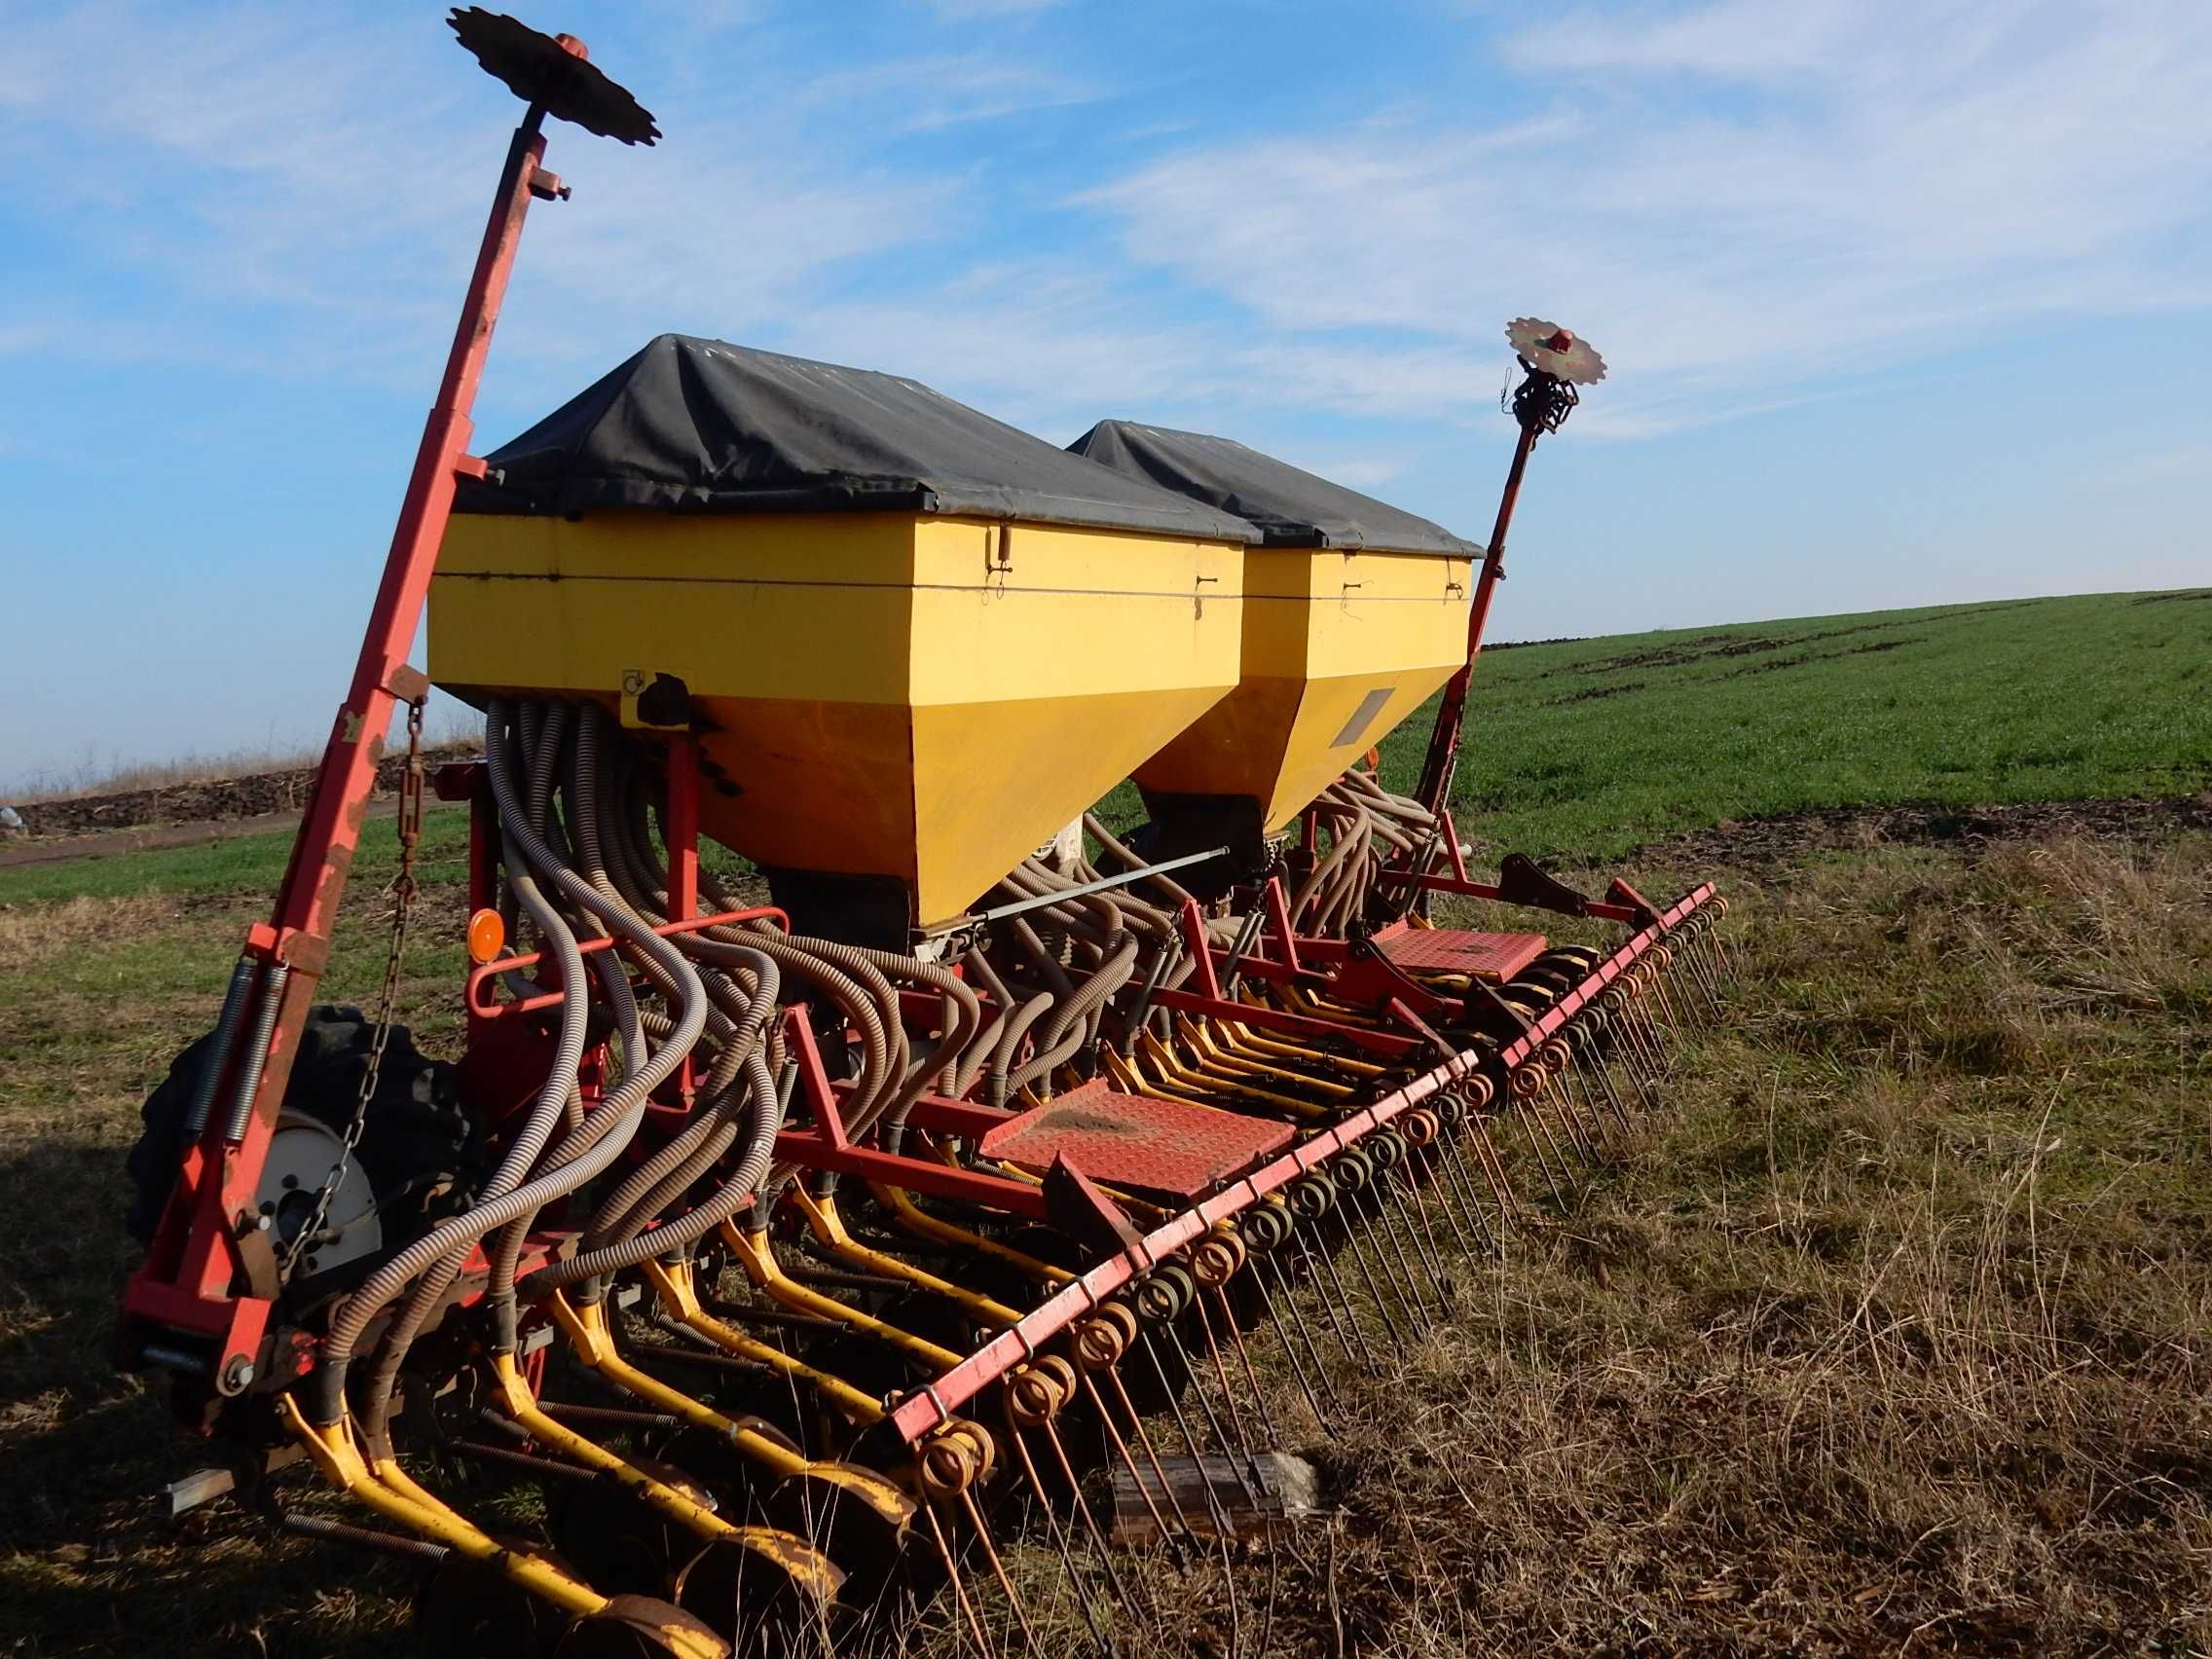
[
  {"x": 1443, "y": 758},
  {"x": 929, "y": 1407},
  {"x": 203, "y": 1250}
]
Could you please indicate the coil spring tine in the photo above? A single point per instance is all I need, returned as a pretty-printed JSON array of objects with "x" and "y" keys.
[
  {"x": 1128, "y": 1462},
  {"x": 1152, "y": 1456},
  {"x": 1279, "y": 1301},
  {"x": 1451, "y": 1160},
  {"x": 1355, "y": 1203},
  {"x": 1437, "y": 1179},
  {"x": 1675, "y": 1025},
  {"x": 1493, "y": 1164},
  {"x": 967, "y": 1606},
  {"x": 998, "y": 1568},
  {"x": 1536, "y": 1142},
  {"x": 1708, "y": 952},
  {"x": 1307, "y": 1254},
  {"x": 1571, "y": 1125},
  {"x": 1229, "y": 1399},
  {"x": 1213, "y": 1504},
  {"x": 1405, "y": 1244},
  {"x": 1074, "y": 1579},
  {"x": 1417, "y": 1198},
  {"x": 1602, "y": 1069},
  {"x": 1089, "y": 1521},
  {"x": 1576, "y": 1099},
  {"x": 1205, "y": 1404},
  {"x": 1251, "y": 1375},
  {"x": 1182, "y": 1425}
]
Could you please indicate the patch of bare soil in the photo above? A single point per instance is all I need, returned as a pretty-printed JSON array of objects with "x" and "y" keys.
[
  {"x": 1784, "y": 838},
  {"x": 202, "y": 800}
]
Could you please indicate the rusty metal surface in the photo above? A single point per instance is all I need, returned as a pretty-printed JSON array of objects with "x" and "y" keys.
[
  {"x": 1555, "y": 350},
  {"x": 542, "y": 69},
  {"x": 1157, "y": 1147},
  {"x": 1490, "y": 956}
]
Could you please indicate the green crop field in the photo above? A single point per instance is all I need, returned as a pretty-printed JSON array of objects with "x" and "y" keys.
[
  {"x": 1591, "y": 748},
  {"x": 1891, "y": 1330}
]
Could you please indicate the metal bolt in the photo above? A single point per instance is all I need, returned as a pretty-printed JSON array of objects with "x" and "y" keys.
[{"x": 238, "y": 1374}]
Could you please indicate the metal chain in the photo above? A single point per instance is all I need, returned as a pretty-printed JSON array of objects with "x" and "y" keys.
[
  {"x": 403, "y": 892},
  {"x": 1542, "y": 402}
]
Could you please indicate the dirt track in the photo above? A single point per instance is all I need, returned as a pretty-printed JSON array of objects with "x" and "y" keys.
[
  {"x": 203, "y": 802},
  {"x": 183, "y": 814},
  {"x": 1767, "y": 843}
]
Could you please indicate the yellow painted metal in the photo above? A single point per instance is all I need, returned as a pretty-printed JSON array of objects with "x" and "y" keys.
[
  {"x": 805, "y": 1564},
  {"x": 593, "y": 1342},
  {"x": 885, "y": 693},
  {"x": 1202, "y": 1080},
  {"x": 899, "y": 1204},
  {"x": 1207, "y": 1042},
  {"x": 829, "y": 1228},
  {"x": 758, "y": 1260},
  {"x": 1252, "y": 1041},
  {"x": 384, "y": 1489},
  {"x": 680, "y": 1299},
  {"x": 1338, "y": 649}
]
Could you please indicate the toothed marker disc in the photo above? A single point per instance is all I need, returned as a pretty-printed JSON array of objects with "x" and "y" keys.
[
  {"x": 1558, "y": 351},
  {"x": 539, "y": 69}
]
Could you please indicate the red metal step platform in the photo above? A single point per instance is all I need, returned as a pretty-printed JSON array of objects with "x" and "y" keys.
[
  {"x": 1169, "y": 1149},
  {"x": 1492, "y": 957}
]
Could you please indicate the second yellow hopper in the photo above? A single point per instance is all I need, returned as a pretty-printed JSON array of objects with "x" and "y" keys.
[{"x": 1354, "y": 613}]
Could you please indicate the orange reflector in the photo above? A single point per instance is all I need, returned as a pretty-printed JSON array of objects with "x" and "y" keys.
[{"x": 487, "y": 935}]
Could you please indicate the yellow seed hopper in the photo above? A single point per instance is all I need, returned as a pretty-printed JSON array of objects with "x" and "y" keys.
[{"x": 913, "y": 641}]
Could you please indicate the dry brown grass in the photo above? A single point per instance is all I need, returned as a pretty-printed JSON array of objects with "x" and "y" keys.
[
  {"x": 90, "y": 778},
  {"x": 31, "y": 933},
  {"x": 1894, "y": 1336},
  {"x": 1891, "y": 1334}
]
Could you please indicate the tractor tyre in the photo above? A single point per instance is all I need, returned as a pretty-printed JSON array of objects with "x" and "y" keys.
[{"x": 417, "y": 1147}]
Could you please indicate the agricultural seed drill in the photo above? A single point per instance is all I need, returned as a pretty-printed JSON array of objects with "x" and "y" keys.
[{"x": 801, "y": 1243}]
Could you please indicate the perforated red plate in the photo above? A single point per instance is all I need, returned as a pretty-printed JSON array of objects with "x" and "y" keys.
[
  {"x": 1169, "y": 1148},
  {"x": 1490, "y": 956}
]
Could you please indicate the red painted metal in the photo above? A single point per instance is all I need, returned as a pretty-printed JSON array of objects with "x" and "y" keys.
[
  {"x": 1597, "y": 908},
  {"x": 1192, "y": 923},
  {"x": 1171, "y": 1149},
  {"x": 928, "y": 1408},
  {"x": 1443, "y": 758},
  {"x": 483, "y": 1006},
  {"x": 1283, "y": 936},
  {"x": 1492, "y": 956},
  {"x": 193, "y": 1283},
  {"x": 826, "y": 1145}
]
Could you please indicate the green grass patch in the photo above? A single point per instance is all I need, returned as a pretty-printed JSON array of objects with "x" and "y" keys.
[{"x": 1591, "y": 748}]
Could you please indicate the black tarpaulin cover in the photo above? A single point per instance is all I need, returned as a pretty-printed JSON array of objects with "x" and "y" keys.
[
  {"x": 699, "y": 426},
  {"x": 1293, "y": 507}
]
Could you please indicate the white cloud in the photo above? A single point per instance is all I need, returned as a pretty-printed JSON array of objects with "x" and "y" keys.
[
  {"x": 307, "y": 201},
  {"x": 1738, "y": 199},
  {"x": 936, "y": 90},
  {"x": 1745, "y": 204}
]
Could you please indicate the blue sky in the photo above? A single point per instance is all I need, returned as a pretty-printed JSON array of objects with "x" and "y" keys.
[{"x": 1906, "y": 303}]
